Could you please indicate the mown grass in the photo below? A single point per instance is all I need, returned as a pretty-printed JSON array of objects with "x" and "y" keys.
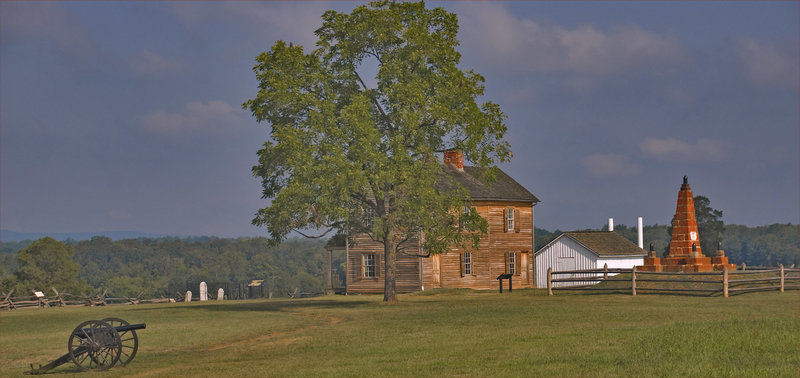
[{"x": 437, "y": 333}]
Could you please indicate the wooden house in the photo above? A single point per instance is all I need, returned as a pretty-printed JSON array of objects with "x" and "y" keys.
[
  {"x": 506, "y": 248},
  {"x": 578, "y": 250}
]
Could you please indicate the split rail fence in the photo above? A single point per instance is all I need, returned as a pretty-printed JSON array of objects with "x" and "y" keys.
[
  {"x": 723, "y": 282},
  {"x": 39, "y": 300}
]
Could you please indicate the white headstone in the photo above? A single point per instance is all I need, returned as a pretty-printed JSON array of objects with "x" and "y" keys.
[
  {"x": 203, "y": 291},
  {"x": 188, "y": 296},
  {"x": 220, "y": 294}
]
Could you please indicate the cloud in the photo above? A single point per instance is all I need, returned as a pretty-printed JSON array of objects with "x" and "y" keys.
[
  {"x": 196, "y": 117},
  {"x": 290, "y": 21},
  {"x": 149, "y": 62},
  {"x": 671, "y": 149},
  {"x": 610, "y": 165},
  {"x": 768, "y": 65},
  {"x": 509, "y": 42},
  {"x": 49, "y": 21}
]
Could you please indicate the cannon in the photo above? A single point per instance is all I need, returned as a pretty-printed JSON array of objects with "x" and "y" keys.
[{"x": 97, "y": 345}]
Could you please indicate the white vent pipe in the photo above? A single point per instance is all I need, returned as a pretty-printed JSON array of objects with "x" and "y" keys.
[
  {"x": 641, "y": 233},
  {"x": 610, "y": 224}
]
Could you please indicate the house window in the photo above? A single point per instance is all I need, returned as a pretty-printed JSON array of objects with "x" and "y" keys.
[
  {"x": 509, "y": 219},
  {"x": 369, "y": 265},
  {"x": 467, "y": 263},
  {"x": 462, "y": 221},
  {"x": 512, "y": 263}
]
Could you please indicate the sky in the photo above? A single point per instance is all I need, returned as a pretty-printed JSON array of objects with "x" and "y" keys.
[{"x": 123, "y": 115}]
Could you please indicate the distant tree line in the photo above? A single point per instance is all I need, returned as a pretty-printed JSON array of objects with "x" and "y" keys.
[
  {"x": 164, "y": 267},
  {"x": 169, "y": 266}
]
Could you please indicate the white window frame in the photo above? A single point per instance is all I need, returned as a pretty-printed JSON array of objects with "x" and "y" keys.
[
  {"x": 510, "y": 219},
  {"x": 368, "y": 262},
  {"x": 467, "y": 264},
  {"x": 512, "y": 263}
]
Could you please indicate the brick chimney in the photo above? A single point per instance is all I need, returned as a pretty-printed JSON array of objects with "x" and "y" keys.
[
  {"x": 454, "y": 158},
  {"x": 684, "y": 225}
]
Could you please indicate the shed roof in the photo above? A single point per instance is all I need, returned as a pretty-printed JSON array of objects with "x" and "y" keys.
[
  {"x": 606, "y": 243},
  {"x": 504, "y": 188},
  {"x": 601, "y": 243}
]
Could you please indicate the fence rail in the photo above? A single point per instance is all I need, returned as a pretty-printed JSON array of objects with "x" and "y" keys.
[
  {"x": 726, "y": 283},
  {"x": 9, "y": 302}
]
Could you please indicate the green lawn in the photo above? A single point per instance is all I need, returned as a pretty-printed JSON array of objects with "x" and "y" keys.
[{"x": 440, "y": 333}]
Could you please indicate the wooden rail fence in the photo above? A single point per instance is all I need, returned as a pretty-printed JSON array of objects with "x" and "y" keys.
[
  {"x": 723, "y": 282},
  {"x": 9, "y": 302}
]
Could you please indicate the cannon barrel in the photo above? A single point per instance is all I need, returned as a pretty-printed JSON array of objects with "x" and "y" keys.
[{"x": 119, "y": 329}]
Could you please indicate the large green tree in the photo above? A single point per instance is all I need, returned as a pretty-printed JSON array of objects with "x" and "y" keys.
[
  {"x": 358, "y": 153},
  {"x": 709, "y": 225},
  {"x": 48, "y": 263}
]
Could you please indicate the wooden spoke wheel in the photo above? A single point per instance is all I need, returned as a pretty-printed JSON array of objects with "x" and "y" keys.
[
  {"x": 94, "y": 345},
  {"x": 128, "y": 339}
]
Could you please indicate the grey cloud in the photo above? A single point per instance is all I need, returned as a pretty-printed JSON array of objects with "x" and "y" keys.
[
  {"x": 149, "y": 62},
  {"x": 766, "y": 64},
  {"x": 196, "y": 117},
  {"x": 48, "y": 21},
  {"x": 671, "y": 149},
  {"x": 609, "y": 165},
  {"x": 291, "y": 21},
  {"x": 506, "y": 41}
]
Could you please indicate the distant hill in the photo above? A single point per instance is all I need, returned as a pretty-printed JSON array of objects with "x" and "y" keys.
[{"x": 14, "y": 236}]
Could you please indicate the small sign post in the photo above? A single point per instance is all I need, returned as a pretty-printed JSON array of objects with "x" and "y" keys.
[{"x": 502, "y": 277}]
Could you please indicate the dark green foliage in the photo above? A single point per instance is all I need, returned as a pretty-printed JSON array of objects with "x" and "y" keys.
[
  {"x": 764, "y": 245},
  {"x": 43, "y": 264},
  {"x": 709, "y": 225},
  {"x": 168, "y": 266}
]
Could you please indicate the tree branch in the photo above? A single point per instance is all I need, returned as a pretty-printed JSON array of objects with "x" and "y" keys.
[
  {"x": 375, "y": 100},
  {"x": 333, "y": 227}
]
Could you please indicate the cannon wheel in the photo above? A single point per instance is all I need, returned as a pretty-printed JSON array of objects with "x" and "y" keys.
[
  {"x": 130, "y": 342},
  {"x": 94, "y": 345}
]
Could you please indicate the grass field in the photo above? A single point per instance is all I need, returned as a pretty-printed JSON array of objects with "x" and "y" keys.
[{"x": 438, "y": 333}]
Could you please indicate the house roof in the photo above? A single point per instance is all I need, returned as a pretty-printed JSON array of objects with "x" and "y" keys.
[
  {"x": 606, "y": 243},
  {"x": 504, "y": 188}
]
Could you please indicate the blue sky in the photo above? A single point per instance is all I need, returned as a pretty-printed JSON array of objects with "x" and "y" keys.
[{"x": 127, "y": 115}]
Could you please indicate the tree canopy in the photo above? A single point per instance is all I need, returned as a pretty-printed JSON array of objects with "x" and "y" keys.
[
  {"x": 358, "y": 154},
  {"x": 47, "y": 263}
]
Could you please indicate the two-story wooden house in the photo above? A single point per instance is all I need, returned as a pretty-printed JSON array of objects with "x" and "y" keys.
[{"x": 506, "y": 248}]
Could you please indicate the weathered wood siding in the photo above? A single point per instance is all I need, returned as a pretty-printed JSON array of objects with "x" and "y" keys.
[
  {"x": 408, "y": 276},
  {"x": 445, "y": 270},
  {"x": 490, "y": 260}
]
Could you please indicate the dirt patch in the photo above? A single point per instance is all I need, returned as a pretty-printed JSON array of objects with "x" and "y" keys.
[{"x": 281, "y": 337}]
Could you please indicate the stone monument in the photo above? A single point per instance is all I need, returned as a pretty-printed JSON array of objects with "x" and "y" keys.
[
  {"x": 203, "y": 291},
  {"x": 684, "y": 246}
]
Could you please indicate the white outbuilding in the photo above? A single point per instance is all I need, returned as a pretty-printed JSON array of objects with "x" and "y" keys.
[{"x": 578, "y": 250}]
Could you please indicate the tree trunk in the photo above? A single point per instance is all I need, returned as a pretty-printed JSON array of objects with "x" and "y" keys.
[{"x": 390, "y": 272}]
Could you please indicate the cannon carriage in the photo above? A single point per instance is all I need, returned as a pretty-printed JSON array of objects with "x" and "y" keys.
[{"x": 97, "y": 345}]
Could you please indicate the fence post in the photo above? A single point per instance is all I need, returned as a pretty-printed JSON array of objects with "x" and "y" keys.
[
  {"x": 744, "y": 266},
  {"x": 549, "y": 281},
  {"x": 725, "y": 282},
  {"x": 633, "y": 281},
  {"x": 605, "y": 271},
  {"x": 782, "y": 273}
]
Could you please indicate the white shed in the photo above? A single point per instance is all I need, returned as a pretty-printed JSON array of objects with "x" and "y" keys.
[{"x": 578, "y": 250}]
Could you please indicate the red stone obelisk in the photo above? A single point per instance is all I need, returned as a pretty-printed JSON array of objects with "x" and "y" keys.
[
  {"x": 684, "y": 247},
  {"x": 684, "y": 225}
]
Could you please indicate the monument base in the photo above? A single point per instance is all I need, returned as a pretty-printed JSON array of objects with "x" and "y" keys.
[{"x": 687, "y": 264}]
